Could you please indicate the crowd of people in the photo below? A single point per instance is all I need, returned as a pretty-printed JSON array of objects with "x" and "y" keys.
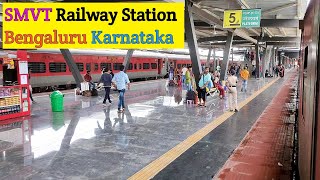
[
  {"x": 211, "y": 81},
  {"x": 184, "y": 77}
]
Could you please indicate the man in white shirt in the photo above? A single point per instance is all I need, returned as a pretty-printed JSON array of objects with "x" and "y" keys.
[
  {"x": 120, "y": 80},
  {"x": 184, "y": 70},
  {"x": 232, "y": 86}
]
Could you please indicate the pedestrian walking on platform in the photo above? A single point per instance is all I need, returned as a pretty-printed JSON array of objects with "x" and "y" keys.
[
  {"x": 120, "y": 80},
  {"x": 245, "y": 76},
  {"x": 232, "y": 86},
  {"x": 106, "y": 79}
]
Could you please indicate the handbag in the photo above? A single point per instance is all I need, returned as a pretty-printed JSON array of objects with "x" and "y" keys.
[{"x": 207, "y": 89}]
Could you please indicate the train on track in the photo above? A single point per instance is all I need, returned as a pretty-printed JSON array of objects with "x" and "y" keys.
[
  {"x": 49, "y": 69},
  {"x": 308, "y": 125}
]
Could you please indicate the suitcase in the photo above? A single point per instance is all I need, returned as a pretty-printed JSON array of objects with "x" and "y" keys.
[
  {"x": 191, "y": 95},
  {"x": 94, "y": 92}
]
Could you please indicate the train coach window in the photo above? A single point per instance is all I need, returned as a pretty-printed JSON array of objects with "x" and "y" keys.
[
  {"x": 80, "y": 66},
  {"x": 57, "y": 67},
  {"x": 179, "y": 66},
  {"x": 96, "y": 66},
  {"x": 37, "y": 67},
  {"x": 135, "y": 66},
  {"x": 146, "y": 65},
  {"x": 153, "y": 66},
  {"x": 116, "y": 66},
  {"x": 130, "y": 66},
  {"x": 140, "y": 66},
  {"x": 88, "y": 67},
  {"x": 105, "y": 65}
]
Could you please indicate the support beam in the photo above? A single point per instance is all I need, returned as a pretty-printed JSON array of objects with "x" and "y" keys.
[
  {"x": 272, "y": 60},
  {"x": 286, "y": 23},
  {"x": 257, "y": 61},
  {"x": 226, "y": 55},
  {"x": 208, "y": 58},
  {"x": 127, "y": 59},
  {"x": 206, "y": 16},
  {"x": 236, "y": 38},
  {"x": 244, "y": 35},
  {"x": 200, "y": 33},
  {"x": 214, "y": 59},
  {"x": 73, "y": 66},
  {"x": 285, "y": 44},
  {"x": 266, "y": 59},
  {"x": 283, "y": 31},
  {"x": 192, "y": 42},
  {"x": 273, "y": 10}
]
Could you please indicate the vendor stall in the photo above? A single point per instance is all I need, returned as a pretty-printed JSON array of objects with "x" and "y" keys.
[{"x": 14, "y": 86}]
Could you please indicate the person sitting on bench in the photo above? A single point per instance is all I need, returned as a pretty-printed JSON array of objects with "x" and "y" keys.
[{"x": 88, "y": 79}]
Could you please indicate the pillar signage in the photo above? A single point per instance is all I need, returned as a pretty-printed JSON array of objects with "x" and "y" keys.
[{"x": 245, "y": 18}]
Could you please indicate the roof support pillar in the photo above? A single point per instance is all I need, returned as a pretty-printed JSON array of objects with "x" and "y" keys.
[
  {"x": 73, "y": 66},
  {"x": 209, "y": 57},
  {"x": 214, "y": 60},
  {"x": 272, "y": 61},
  {"x": 266, "y": 59},
  {"x": 192, "y": 42},
  {"x": 127, "y": 59},
  {"x": 226, "y": 55},
  {"x": 257, "y": 61}
]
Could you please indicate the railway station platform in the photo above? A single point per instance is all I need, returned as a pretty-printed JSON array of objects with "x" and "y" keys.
[{"x": 157, "y": 137}]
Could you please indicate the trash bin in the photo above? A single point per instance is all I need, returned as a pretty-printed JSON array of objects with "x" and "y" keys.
[{"x": 56, "y": 101}]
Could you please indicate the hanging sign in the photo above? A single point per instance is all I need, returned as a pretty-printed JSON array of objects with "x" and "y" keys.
[{"x": 245, "y": 18}]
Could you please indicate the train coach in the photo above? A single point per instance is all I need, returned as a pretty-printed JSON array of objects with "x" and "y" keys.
[{"x": 49, "y": 68}]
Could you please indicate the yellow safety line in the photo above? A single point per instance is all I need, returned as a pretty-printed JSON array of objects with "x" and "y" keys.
[{"x": 157, "y": 165}]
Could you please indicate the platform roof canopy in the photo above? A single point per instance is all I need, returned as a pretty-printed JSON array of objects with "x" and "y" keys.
[
  {"x": 279, "y": 24},
  {"x": 280, "y": 21}
]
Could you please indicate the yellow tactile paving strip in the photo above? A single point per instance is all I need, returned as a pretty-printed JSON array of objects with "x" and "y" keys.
[{"x": 157, "y": 165}]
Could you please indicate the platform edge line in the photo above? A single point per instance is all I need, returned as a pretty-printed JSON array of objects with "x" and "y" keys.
[{"x": 167, "y": 158}]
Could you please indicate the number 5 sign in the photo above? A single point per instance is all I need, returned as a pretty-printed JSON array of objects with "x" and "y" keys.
[
  {"x": 232, "y": 18},
  {"x": 246, "y": 18}
]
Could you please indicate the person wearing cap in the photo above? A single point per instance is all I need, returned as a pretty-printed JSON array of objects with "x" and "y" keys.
[{"x": 232, "y": 87}]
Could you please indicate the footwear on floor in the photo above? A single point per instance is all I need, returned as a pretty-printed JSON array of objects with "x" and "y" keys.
[{"x": 236, "y": 110}]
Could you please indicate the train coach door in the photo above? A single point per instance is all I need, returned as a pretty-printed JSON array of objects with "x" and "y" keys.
[{"x": 159, "y": 66}]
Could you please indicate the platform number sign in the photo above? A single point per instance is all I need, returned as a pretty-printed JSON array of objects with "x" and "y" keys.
[
  {"x": 245, "y": 18},
  {"x": 232, "y": 19}
]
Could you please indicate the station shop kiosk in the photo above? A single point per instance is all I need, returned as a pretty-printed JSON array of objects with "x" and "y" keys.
[{"x": 14, "y": 86}]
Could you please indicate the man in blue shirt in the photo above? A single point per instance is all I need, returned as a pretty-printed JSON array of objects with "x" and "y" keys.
[
  {"x": 106, "y": 79},
  {"x": 120, "y": 80}
]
